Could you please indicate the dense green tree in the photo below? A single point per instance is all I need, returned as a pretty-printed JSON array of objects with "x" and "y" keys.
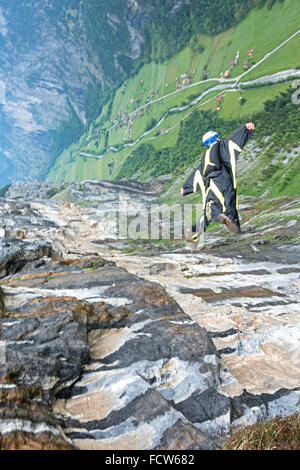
[{"x": 168, "y": 31}]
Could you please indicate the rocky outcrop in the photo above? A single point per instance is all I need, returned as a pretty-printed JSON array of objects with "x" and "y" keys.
[
  {"x": 24, "y": 423},
  {"x": 111, "y": 368},
  {"x": 166, "y": 349}
]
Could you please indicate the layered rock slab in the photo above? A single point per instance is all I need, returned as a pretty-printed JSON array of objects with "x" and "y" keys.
[
  {"x": 111, "y": 369},
  {"x": 252, "y": 315},
  {"x": 250, "y": 311}
]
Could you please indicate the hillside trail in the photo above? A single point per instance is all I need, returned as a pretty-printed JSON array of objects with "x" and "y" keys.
[
  {"x": 228, "y": 85},
  {"x": 221, "y": 80},
  {"x": 218, "y": 79},
  {"x": 249, "y": 305}
]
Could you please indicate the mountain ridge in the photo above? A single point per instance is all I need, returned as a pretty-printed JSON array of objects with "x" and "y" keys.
[{"x": 46, "y": 70}]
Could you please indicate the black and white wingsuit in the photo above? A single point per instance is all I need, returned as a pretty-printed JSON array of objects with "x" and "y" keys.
[{"x": 216, "y": 178}]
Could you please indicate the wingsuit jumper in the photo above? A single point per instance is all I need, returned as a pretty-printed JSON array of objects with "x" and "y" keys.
[{"x": 216, "y": 178}]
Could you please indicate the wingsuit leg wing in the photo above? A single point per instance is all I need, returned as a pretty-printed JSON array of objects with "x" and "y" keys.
[{"x": 195, "y": 183}]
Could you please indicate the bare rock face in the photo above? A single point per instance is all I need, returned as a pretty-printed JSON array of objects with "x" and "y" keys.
[
  {"x": 112, "y": 369},
  {"x": 102, "y": 358},
  {"x": 26, "y": 424},
  {"x": 166, "y": 349}
]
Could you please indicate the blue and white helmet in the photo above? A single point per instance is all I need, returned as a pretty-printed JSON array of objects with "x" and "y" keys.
[{"x": 210, "y": 138}]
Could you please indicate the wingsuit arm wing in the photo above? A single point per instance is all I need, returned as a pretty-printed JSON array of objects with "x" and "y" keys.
[
  {"x": 231, "y": 148},
  {"x": 195, "y": 181},
  {"x": 189, "y": 184},
  {"x": 240, "y": 137}
]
